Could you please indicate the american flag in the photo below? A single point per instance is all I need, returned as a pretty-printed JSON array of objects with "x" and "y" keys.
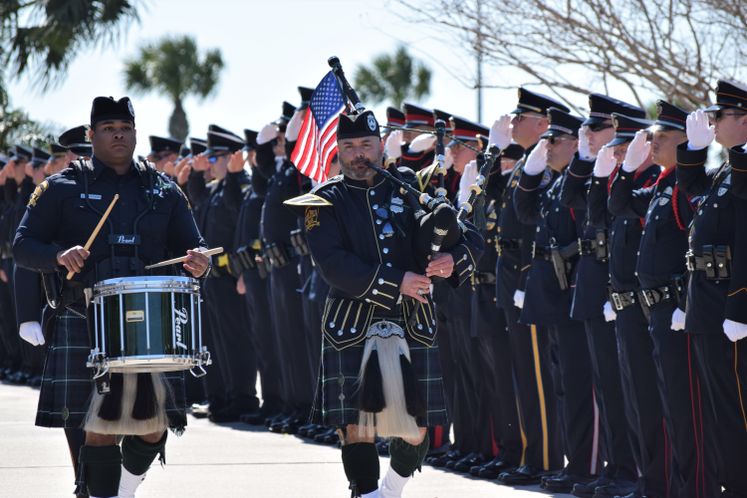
[{"x": 317, "y": 140}]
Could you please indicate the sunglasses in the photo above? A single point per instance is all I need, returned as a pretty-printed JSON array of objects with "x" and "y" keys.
[
  {"x": 214, "y": 157},
  {"x": 521, "y": 117},
  {"x": 721, "y": 114},
  {"x": 556, "y": 140},
  {"x": 599, "y": 127}
]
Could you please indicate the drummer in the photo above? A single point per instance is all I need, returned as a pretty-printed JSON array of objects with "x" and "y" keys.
[{"x": 150, "y": 222}]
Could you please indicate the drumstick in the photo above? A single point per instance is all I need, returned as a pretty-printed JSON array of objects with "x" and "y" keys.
[
  {"x": 96, "y": 230},
  {"x": 206, "y": 252}
]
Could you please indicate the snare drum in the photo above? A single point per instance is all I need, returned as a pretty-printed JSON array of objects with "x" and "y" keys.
[{"x": 147, "y": 324}]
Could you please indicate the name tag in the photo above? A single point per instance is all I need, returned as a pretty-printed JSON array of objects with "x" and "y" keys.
[
  {"x": 95, "y": 197},
  {"x": 122, "y": 239}
]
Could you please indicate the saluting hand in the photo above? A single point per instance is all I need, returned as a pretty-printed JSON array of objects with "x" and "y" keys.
[
  {"x": 73, "y": 259},
  {"x": 584, "y": 150},
  {"x": 201, "y": 163},
  {"x": 638, "y": 151},
  {"x": 236, "y": 163},
  {"x": 182, "y": 176},
  {"x": 500, "y": 132},
  {"x": 393, "y": 145},
  {"x": 415, "y": 286},
  {"x": 700, "y": 133},
  {"x": 605, "y": 162},
  {"x": 537, "y": 160}
]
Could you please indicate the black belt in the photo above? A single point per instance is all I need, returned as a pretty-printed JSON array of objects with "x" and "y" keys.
[
  {"x": 280, "y": 254},
  {"x": 715, "y": 262},
  {"x": 672, "y": 292},
  {"x": 483, "y": 277},
  {"x": 622, "y": 300},
  {"x": 509, "y": 244}
]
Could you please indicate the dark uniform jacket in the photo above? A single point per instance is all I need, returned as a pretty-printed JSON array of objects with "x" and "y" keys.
[
  {"x": 667, "y": 212},
  {"x": 151, "y": 221},
  {"x": 514, "y": 237},
  {"x": 365, "y": 267},
  {"x": 537, "y": 204},
  {"x": 624, "y": 233},
  {"x": 718, "y": 224},
  {"x": 592, "y": 271}
]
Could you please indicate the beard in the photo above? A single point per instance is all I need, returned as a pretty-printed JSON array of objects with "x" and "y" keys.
[{"x": 357, "y": 169}]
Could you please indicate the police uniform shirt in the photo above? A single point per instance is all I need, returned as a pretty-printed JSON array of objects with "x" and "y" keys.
[{"x": 152, "y": 215}]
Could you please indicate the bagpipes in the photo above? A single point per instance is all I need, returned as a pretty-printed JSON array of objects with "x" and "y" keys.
[{"x": 440, "y": 225}]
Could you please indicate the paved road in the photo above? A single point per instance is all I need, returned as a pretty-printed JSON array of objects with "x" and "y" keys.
[{"x": 209, "y": 460}]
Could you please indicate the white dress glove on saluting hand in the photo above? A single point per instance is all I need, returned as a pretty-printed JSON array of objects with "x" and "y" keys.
[
  {"x": 31, "y": 332},
  {"x": 700, "y": 133},
  {"x": 422, "y": 142},
  {"x": 469, "y": 175},
  {"x": 638, "y": 151},
  {"x": 500, "y": 132},
  {"x": 267, "y": 133},
  {"x": 584, "y": 151},
  {"x": 393, "y": 145},
  {"x": 605, "y": 162},
  {"x": 537, "y": 160}
]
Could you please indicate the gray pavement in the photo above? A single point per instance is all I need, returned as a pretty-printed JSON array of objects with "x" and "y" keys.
[{"x": 209, "y": 460}]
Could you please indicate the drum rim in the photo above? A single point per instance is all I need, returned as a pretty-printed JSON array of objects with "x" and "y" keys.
[{"x": 130, "y": 285}]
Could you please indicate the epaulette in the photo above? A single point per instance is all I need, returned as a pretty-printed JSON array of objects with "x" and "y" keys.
[
  {"x": 307, "y": 200},
  {"x": 329, "y": 182}
]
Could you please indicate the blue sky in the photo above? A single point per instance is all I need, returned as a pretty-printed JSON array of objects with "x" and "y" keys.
[{"x": 270, "y": 47}]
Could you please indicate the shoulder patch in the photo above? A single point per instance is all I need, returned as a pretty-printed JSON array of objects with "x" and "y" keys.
[
  {"x": 311, "y": 218},
  {"x": 308, "y": 200},
  {"x": 38, "y": 191}
]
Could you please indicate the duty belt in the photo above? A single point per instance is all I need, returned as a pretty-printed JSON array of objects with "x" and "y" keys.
[
  {"x": 622, "y": 300},
  {"x": 594, "y": 247},
  {"x": 673, "y": 292},
  {"x": 280, "y": 254},
  {"x": 508, "y": 245},
  {"x": 222, "y": 267},
  {"x": 715, "y": 262},
  {"x": 483, "y": 277},
  {"x": 560, "y": 257}
]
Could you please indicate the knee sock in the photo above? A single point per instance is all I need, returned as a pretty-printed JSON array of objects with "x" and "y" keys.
[
  {"x": 102, "y": 466},
  {"x": 361, "y": 463}
]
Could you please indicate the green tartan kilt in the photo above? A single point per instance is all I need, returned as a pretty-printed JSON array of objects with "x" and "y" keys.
[
  {"x": 67, "y": 383},
  {"x": 337, "y": 386}
]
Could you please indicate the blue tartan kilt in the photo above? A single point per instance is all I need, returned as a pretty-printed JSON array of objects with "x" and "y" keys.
[
  {"x": 337, "y": 386},
  {"x": 67, "y": 383}
]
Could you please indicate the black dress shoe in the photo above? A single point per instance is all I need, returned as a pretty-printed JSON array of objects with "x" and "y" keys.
[
  {"x": 492, "y": 469},
  {"x": 441, "y": 461},
  {"x": 564, "y": 482},
  {"x": 618, "y": 487},
  {"x": 586, "y": 490},
  {"x": 526, "y": 475},
  {"x": 465, "y": 464},
  {"x": 35, "y": 381},
  {"x": 327, "y": 437}
]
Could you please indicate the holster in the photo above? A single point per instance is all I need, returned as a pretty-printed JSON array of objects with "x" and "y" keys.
[
  {"x": 601, "y": 252},
  {"x": 298, "y": 240},
  {"x": 277, "y": 254},
  {"x": 560, "y": 266}
]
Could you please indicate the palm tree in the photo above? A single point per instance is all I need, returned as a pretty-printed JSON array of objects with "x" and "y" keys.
[
  {"x": 41, "y": 37},
  {"x": 393, "y": 78},
  {"x": 173, "y": 66}
]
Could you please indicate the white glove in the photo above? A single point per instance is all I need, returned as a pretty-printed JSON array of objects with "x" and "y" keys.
[
  {"x": 500, "y": 132},
  {"x": 519, "y": 299},
  {"x": 31, "y": 332},
  {"x": 294, "y": 125},
  {"x": 638, "y": 152},
  {"x": 393, "y": 145},
  {"x": 422, "y": 142},
  {"x": 700, "y": 133},
  {"x": 735, "y": 331},
  {"x": 268, "y": 133},
  {"x": 469, "y": 175},
  {"x": 537, "y": 160},
  {"x": 448, "y": 158},
  {"x": 605, "y": 162},
  {"x": 678, "y": 319},
  {"x": 584, "y": 151},
  {"x": 609, "y": 313}
]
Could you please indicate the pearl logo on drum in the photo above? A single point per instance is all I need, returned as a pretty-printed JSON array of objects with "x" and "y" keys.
[{"x": 180, "y": 319}]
